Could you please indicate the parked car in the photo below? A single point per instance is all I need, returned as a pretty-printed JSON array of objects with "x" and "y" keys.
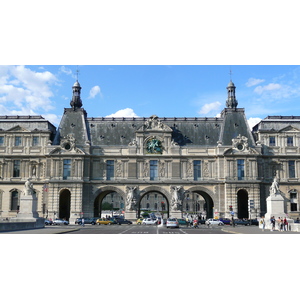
[
  {"x": 214, "y": 222},
  {"x": 123, "y": 221},
  {"x": 139, "y": 221},
  {"x": 149, "y": 221},
  {"x": 254, "y": 222},
  {"x": 104, "y": 221},
  {"x": 241, "y": 222},
  {"x": 182, "y": 221},
  {"x": 226, "y": 221},
  {"x": 60, "y": 222},
  {"x": 48, "y": 222},
  {"x": 86, "y": 221},
  {"x": 172, "y": 222}
]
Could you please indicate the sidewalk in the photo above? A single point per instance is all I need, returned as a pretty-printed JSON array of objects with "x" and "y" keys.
[
  {"x": 253, "y": 230},
  {"x": 45, "y": 230}
]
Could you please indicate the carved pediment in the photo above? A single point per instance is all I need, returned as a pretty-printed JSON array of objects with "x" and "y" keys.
[
  {"x": 289, "y": 128},
  {"x": 18, "y": 128},
  {"x": 154, "y": 124},
  {"x": 234, "y": 151},
  {"x": 60, "y": 150}
]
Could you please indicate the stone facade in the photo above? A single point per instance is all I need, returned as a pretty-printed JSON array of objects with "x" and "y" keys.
[{"x": 205, "y": 165}]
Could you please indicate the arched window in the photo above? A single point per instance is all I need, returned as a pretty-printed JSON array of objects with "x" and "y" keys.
[{"x": 14, "y": 203}]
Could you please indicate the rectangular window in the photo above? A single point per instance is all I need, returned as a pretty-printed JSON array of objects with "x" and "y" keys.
[
  {"x": 292, "y": 173},
  {"x": 18, "y": 141},
  {"x": 110, "y": 169},
  {"x": 16, "y": 172},
  {"x": 272, "y": 141},
  {"x": 1, "y": 140},
  {"x": 35, "y": 141},
  {"x": 241, "y": 169},
  {"x": 153, "y": 169},
  {"x": 290, "y": 142},
  {"x": 197, "y": 169},
  {"x": 14, "y": 204},
  {"x": 67, "y": 168}
]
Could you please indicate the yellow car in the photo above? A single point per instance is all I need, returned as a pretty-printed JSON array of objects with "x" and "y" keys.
[
  {"x": 139, "y": 221},
  {"x": 103, "y": 221}
]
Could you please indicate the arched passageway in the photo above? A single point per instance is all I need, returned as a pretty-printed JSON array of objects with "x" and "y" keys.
[
  {"x": 64, "y": 204},
  {"x": 198, "y": 202},
  {"x": 153, "y": 202},
  {"x": 109, "y": 201},
  {"x": 242, "y": 204}
]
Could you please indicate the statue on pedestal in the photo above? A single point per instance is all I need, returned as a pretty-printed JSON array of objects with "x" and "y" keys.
[
  {"x": 130, "y": 200},
  {"x": 274, "y": 189},
  {"x": 28, "y": 189}
]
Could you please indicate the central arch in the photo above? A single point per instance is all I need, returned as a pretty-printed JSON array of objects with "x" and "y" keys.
[
  {"x": 102, "y": 193},
  {"x": 208, "y": 197},
  {"x": 242, "y": 204},
  {"x": 160, "y": 203}
]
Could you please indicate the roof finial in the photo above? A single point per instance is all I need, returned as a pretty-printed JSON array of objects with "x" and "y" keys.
[{"x": 77, "y": 71}]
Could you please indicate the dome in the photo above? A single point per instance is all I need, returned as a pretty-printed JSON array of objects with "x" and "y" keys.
[
  {"x": 76, "y": 84},
  {"x": 230, "y": 84}
]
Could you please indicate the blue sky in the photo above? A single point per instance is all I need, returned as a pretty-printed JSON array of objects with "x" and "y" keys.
[{"x": 143, "y": 90}]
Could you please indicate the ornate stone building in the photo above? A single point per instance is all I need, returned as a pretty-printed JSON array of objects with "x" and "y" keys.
[{"x": 210, "y": 166}]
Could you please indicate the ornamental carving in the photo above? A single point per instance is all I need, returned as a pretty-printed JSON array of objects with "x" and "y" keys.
[
  {"x": 240, "y": 143},
  {"x": 154, "y": 146}
]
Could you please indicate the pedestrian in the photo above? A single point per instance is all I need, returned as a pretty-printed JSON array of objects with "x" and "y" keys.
[
  {"x": 272, "y": 223},
  {"x": 263, "y": 223},
  {"x": 279, "y": 224},
  {"x": 285, "y": 224},
  {"x": 187, "y": 221},
  {"x": 82, "y": 222},
  {"x": 232, "y": 221}
]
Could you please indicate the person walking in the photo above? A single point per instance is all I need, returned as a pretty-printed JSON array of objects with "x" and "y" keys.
[
  {"x": 82, "y": 222},
  {"x": 272, "y": 223},
  {"x": 263, "y": 223},
  {"x": 285, "y": 224},
  {"x": 232, "y": 222}
]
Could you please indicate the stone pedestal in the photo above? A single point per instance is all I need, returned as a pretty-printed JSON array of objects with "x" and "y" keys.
[
  {"x": 130, "y": 215},
  {"x": 275, "y": 206},
  {"x": 176, "y": 214},
  {"x": 28, "y": 207}
]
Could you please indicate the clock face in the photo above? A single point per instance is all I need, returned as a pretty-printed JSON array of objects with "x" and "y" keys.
[
  {"x": 240, "y": 147},
  {"x": 154, "y": 146}
]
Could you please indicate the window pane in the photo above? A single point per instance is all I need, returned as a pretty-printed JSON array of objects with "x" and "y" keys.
[
  {"x": 67, "y": 168},
  {"x": 1, "y": 140},
  {"x": 16, "y": 171},
  {"x": 197, "y": 169},
  {"x": 272, "y": 141},
  {"x": 292, "y": 173},
  {"x": 241, "y": 169},
  {"x": 18, "y": 141},
  {"x": 14, "y": 201},
  {"x": 35, "y": 141},
  {"x": 290, "y": 142},
  {"x": 153, "y": 169},
  {"x": 110, "y": 169}
]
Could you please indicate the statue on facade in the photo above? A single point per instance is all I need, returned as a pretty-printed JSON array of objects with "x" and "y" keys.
[
  {"x": 130, "y": 199},
  {"x": 176, "y": 197},
  {"x": 28, "y": 189},
  {"x": 274, "y": 189}
]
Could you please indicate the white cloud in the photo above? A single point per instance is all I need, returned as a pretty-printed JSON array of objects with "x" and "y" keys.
[
  {"x": 269, "y": 87},
  {"x": 253, "y": 121},
  {"x": 209, "y": 107},
  {"x": 254, "y": 81},
  {"x": 123, "y": 113},
  {"x": 22, "y": 89},
  {"x": 94, "y": 91},
  {"x": 52, "y": 118}
]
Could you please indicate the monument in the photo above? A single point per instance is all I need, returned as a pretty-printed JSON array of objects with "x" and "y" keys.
[
  {"x": 276, "y": 205},
  {"x": 27, "y": 217}
]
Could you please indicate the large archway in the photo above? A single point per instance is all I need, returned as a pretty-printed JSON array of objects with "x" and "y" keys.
[
  {"x": 153, "y": 202},
  {"x": 199, "y": 200},
  {"x": 64, "y": 204},
  {"x": 242, "y": 204},
  {"x": 109, "y": 199}
]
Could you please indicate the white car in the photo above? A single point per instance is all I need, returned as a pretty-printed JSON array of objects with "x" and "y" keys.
[
  {"x": 214, "y": 222},
  {"x": 149, "y": 221},
  {"x": 172, "y": 222}
]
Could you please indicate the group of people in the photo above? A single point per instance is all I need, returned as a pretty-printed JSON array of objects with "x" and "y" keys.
[
  {"x": 192, "y": 221},
  {"x": 281, "y": 224}
]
